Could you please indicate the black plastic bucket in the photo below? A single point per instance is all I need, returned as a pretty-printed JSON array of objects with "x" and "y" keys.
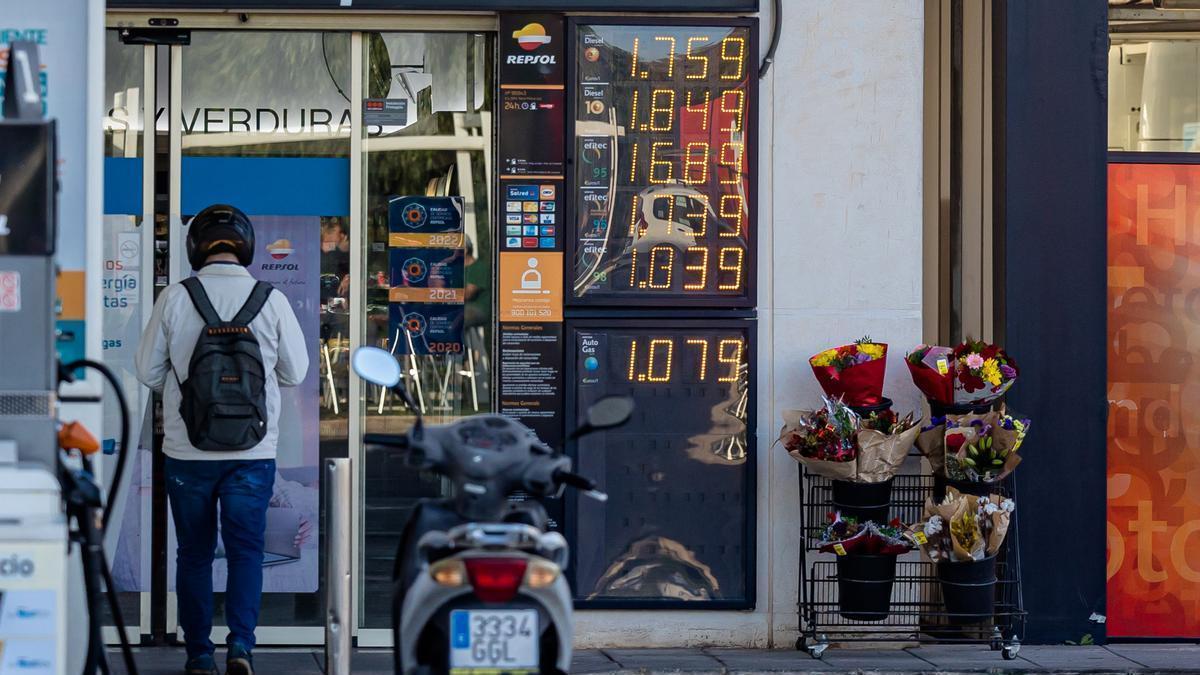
[
  {"x": 967, "y": 487},
  {"x": 885, "y": 403},
  {"x": 940, "y": 410},
  {"x": 968, "y": 589},
  {"x": 864, "y": 501},
  {"x": 865, "y": 586}
]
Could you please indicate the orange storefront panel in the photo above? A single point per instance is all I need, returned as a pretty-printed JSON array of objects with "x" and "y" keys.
[{"x": 1154, "y": 400}]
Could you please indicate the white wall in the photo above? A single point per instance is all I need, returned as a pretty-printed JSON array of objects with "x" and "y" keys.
[{"x": 840, "y": 256}]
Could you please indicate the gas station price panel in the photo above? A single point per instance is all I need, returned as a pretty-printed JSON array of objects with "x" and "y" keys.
[
  {"x": 663, "y": 157},
  {"x": 677, "y": 525}
]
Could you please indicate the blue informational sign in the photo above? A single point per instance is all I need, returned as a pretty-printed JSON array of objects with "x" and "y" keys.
[
  {"x": 431, "y": 268},
  {"x": 425, "y": 215},
  {"x": 425, "y": 328}
]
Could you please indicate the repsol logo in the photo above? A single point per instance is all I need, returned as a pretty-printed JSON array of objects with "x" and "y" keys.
[
  {"x": 527, "y": 59},
  {"x": 16, "y": 566},
  {"x": 273, "y": 267}
]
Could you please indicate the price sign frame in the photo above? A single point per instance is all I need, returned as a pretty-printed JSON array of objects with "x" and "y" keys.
[
  {"x": 681, "y": 299},
  {"x": 749, "y": 487}
]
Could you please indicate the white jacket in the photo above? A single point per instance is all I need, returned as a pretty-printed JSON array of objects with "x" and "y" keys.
[{"x": 172, "y": 333}]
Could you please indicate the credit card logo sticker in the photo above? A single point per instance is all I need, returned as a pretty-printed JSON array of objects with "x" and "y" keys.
[
  {"x": 512, "y": 219},
  {"x": 522, "y": 192}
]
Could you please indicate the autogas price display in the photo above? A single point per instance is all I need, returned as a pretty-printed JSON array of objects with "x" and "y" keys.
[
  {"x": 662, "y": 161},
  {"x": 676, "y": 473}
]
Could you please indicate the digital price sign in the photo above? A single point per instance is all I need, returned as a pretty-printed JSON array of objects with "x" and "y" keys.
[
  {"x": 664, "y": 143},
  {"x": 677, "y": 525}
]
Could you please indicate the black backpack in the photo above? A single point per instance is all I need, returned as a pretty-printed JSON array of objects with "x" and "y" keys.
[{"x": 224, "y": 399}]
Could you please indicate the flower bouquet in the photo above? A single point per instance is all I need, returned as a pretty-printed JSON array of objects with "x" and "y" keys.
[
  {"x": 984, "y": 448},
  {"x": 972, "y": 452},
  {"x": 825, "y": 441},
  {"x": 866, "y": 564},
  {"x": 861, "y": 455},
  {"x": 852, "y": 373},
  {"x": 962, "y": 534},
  {"x": 972, "y": 375}
]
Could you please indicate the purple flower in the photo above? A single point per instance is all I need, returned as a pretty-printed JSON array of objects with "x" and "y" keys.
[{"x": 1008, "y": 371}]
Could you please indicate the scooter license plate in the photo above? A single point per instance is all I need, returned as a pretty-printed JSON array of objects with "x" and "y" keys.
[{"x": 483, "y": 641}]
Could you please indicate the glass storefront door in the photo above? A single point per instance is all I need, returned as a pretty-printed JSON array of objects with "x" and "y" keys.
[{"x": 267, "y": 121}]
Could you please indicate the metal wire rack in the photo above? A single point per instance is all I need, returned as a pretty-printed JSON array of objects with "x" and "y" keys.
[{"x": 917, "y": 614}]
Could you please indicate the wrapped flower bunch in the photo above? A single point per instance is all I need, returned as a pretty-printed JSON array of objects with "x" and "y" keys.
[
  {"x": 973, "y": 373},
  {"x": 963, "y": 527},
  {"x": 852, "y": 373},
  {"x": 984, "y": 449},
  {"x": 845, "y": 535},
  {"x": 837, "y": 443}
]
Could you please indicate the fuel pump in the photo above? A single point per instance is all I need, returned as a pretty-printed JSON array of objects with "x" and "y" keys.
[{"x": 51, "y": 498}]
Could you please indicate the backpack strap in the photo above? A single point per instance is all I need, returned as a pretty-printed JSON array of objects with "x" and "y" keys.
[
  {"x": 200, "y": 300},
  {"x": 254, "y": 304}
]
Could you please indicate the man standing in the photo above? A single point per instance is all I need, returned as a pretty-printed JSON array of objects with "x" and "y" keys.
[{"x": 219, "y": 346}]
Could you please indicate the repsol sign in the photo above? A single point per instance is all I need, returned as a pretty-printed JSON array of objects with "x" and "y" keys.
[
  {"x": 531, "y": 59},
  {"x": 16, "y": 566},
  {"x": 275, "y": 267}
]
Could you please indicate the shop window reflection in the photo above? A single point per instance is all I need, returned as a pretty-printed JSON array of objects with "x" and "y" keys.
[{"x": 428, "y": 130}]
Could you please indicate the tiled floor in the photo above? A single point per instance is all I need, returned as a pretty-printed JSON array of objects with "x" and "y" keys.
[{"x": 929, "y": 659}]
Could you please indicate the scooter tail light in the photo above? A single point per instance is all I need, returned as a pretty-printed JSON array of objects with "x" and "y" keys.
[
  {"x": 449, "y": 572},
  {"x": 541, "y": 574},
  {"x": 496, "y": 579}
]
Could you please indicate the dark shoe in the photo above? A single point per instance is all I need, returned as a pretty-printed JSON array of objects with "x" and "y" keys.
[
  {"x": 201, "y": 665},
  {"x": 239, "y": 661}
]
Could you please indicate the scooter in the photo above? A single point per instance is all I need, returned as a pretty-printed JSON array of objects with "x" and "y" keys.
[{"x": 478, "y": 579}]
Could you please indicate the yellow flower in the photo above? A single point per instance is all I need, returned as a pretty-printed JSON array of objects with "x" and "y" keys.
[
  {"x": 991, "y": 372},
  {"x": 825, "y": 358},
  {"x": 875, "y": 351}
]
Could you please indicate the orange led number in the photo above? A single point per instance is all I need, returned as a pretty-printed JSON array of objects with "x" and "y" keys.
[
  {"x": 701, "y": 268},
  {"x": 703, "y": 74},
  {"x": 691, "y": 161},
  {"x": 739, "y": 57},
  {"x": 735, "y": 125},
  {"x": 733, "y": 358}
]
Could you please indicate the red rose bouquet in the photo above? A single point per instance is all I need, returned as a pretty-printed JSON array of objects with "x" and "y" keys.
[{"x": 853, "y": 373}]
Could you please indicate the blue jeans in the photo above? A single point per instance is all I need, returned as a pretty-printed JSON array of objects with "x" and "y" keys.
[{"x": 243, "y": 490}]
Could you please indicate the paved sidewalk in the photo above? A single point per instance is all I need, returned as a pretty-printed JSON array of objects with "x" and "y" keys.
[{"x": 930, "y": 659}]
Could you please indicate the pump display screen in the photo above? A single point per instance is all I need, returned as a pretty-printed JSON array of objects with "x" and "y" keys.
[
  {"x": 675, "y": 527},
  {"x": 663, "y": 156}
]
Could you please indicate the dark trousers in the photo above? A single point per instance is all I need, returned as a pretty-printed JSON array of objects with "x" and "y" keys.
[{"x": 243, "y": 489}]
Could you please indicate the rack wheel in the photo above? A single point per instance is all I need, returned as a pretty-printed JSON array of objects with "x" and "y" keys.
[
  {"x": 1010, "y": 651},
  {"x": 817, "y": 651},
  {"x": 802, "y": 644},
  {"x": 997, "y": 640}
]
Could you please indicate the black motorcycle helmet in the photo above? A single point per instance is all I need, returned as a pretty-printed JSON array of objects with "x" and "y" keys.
[{"x": 220, "y": 228}]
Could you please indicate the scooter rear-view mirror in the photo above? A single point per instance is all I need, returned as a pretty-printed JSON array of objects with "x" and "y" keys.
[
  {"x": 606, "y": 413},
  {"x": 379, "y": 367}
]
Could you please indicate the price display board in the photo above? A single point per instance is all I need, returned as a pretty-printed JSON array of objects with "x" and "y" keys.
[
  {"x": 678, "y": 526},
  {"x": 663, "y": 157}
]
